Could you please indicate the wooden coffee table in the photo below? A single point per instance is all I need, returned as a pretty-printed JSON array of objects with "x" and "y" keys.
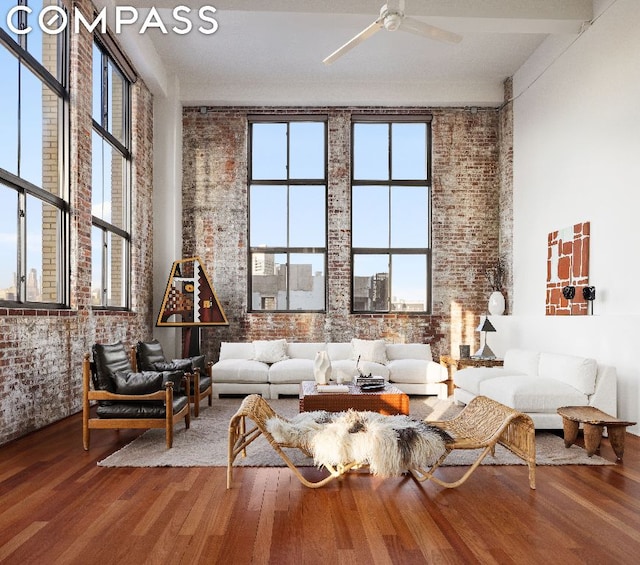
[
  {"x": 390, "y": 400},
  {"x": 594, "y": 421}
]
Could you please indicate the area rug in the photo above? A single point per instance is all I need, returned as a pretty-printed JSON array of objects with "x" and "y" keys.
[{"x": 204, "y": 444}]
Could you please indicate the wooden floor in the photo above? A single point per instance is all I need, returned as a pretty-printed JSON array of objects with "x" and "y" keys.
[{"x": 58, "y": 506}]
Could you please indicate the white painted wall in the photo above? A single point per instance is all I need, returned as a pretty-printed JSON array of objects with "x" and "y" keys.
[
  {"x": 167, "y": 204},
  {"x": 577, "y": 158}
]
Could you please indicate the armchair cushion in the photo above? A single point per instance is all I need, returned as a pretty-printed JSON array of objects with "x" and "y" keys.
[
  {"x": 148, "y": 354},
  {"x": 109, "y": 359},
  {"x": 136, "y": 410},
  {"x": 146, "y": 382}
]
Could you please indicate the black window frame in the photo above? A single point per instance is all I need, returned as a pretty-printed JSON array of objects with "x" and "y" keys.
[
  {"x": 123, "y": 148},
  {"x": 390, "y": 251},
  {"x": 60, "y": 86},
  {"x": 288, "y": 182}
]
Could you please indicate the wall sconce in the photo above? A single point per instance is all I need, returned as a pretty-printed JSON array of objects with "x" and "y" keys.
[
  {"x": 589, "y": 293},
  {"x": 569, "y": 292}
]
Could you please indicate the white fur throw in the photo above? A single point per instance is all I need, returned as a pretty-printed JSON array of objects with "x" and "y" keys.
[{"x": 390, "y": 445}]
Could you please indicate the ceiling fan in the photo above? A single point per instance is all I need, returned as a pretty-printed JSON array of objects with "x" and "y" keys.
[{"x": 391, "y": 18}]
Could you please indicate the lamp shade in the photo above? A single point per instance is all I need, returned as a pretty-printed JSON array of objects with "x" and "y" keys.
[{"x": 486, "y": 326}]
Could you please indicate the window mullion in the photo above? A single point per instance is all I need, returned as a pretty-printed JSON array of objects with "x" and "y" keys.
[{"x": 21, "y": 276}]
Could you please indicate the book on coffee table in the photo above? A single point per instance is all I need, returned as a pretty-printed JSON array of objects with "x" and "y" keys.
[{"x": 332, "y": 388}]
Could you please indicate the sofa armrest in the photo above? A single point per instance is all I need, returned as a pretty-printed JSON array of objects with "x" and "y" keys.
[
  {"x": 605, "y": 396},
  {"x": 436, "y": 373}
]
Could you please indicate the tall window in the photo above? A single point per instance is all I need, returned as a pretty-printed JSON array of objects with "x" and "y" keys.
[
  {"x": 391, "y": 215},
  {"x": 33, "y": 161},
  {"x": 287, "y": 214},
  {"x": 110, "y": 191}
]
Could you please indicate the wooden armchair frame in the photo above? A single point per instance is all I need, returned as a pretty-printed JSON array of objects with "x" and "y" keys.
[
  {"x": 481, "y": 425},
  {"x": 166, "y": 396}
]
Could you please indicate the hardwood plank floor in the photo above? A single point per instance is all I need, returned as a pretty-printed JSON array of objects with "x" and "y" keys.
[{"x": 58, "y": 506}]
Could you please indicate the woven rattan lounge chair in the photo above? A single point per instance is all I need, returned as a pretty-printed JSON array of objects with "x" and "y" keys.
[
  {"x": 256, "y": 409},
  {"x": 481, "y": 425}
]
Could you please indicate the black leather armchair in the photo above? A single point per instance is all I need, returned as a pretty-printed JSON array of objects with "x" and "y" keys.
[
  {"x": 149, "y": 356},
  {"x": 129, "y": 399}
]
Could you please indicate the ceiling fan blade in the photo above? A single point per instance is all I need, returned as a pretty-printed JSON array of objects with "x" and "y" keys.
[
  {"x": 364, "y": 34},
  {"x": 421, "y": 28}
]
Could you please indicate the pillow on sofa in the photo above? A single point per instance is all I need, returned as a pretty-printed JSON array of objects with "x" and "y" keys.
[
  {"x": 374, "y": 351},
  {"x": 578, "y": 372},
  {"x": 270, "y": 351}
]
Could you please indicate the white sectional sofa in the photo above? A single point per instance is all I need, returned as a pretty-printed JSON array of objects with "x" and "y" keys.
[
  {"x": 539, "y": 383},
  {"x": 274, "y": 367}
]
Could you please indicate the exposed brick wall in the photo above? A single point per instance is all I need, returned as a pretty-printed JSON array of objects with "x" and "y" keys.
[
  {"x": 465, "y": 220},
  {"x": 41, "y": 350}
]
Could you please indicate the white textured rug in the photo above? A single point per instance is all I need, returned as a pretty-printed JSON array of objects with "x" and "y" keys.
[{"x": 204, "y": 444}]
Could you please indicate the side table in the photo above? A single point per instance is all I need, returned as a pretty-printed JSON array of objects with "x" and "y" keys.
[
  {"x": 450, "y": 363},
  {"x": 594, "y": 421}
]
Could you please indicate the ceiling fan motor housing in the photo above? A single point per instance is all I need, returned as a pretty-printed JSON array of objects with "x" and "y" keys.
[{"x": 391, "y": 20}]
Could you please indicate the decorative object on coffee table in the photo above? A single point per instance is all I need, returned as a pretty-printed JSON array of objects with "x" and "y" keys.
[
  {"x": 322, "y": 368},
  {"x": 389, "y": 400},
  {"x": 593, "y": 421}
]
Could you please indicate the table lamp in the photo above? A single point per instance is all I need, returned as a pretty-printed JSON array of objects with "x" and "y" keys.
[{"x": 485, "y": 352}]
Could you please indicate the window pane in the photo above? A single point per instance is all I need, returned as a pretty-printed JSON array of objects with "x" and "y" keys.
[
  {"x": 409, "y": 283},
  {"x": 307, "y": 216},
  {"x": 371, "y": 151},
  {"x": 116, "y": 104},
  {"x": 101, "y": 175},
  {"x": 269, "y": 151},
  {"x": 97, "y": 258},
  {"x": 109, "y": 183},
  {"x": 34, "y": 37},
  {"x": 8, "y": 243},
  {"x": 370, "y": 223},
  {"x": 409, "y": 151},
  {"x": 116, "y": 271},
  {"x": 307, "y": 150},
  {"x": 409, "y": 216},
  {"x": 97, "y": 84},
  {"x": 269, "y": 281},
  {"x": 306, "y": 281},
  {"x": 268, "y": 221},
  {"x": 14, "y": 21},
  {"x": 31, "y": 126},
  {"x": 371, "y": 283},
  {"x": 43, "y": 251},
  {"x": 9, "y": 70}
]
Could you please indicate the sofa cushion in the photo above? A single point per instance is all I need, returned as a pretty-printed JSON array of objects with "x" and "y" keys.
[
  {"x": 235, "y": 350},
  {"x": 522, "y": 361},
  {"x": 270, "y": 351},
  {"x": 471, "y": 377},
  {"x": 304, "y": 350},
  {"x": 579, "y": 372},
  {"x": 291, "y": 371},
  {"x": 532, "y": 394},
  {"x": 240, "y": 371},
  {"x": 374, "y": 351},
  {"x": 339, "y": 351},
  {"x": 409, "y": 351},
  {"x": 415, "y": 371}
]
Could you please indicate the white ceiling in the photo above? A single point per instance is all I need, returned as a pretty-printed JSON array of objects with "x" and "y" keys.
[{"x": 270, "y": 52}]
